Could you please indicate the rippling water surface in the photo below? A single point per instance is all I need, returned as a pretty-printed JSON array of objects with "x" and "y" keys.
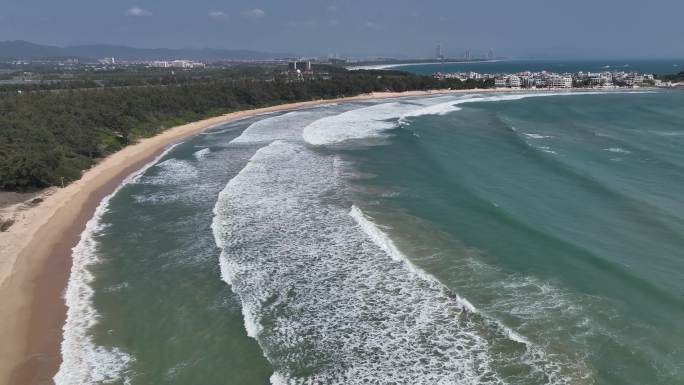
[{"x": 467, "y": 239}]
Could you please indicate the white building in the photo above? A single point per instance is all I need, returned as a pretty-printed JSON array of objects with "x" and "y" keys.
[
  {"x": 299, "y": 65},
  {"x": 176, "y": 64},
  {"x": 634, "y": 79},
  {"x": 595, "y": 79},
  {"x": 527, "y": 81},
  {"x": 513, "y": 81},
  {"x": 540, "y": 82},
  {"x": 560, "y": 81}
]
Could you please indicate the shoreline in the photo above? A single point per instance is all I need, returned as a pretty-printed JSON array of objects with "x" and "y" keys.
[{"x": 35, "y": 253}]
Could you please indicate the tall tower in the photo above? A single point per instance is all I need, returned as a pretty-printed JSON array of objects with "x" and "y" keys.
[
  {"x": 490, "y": 54},
  {"x": 440, "y": 55}
]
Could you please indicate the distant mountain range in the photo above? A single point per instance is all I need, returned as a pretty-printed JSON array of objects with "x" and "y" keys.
[{"x": 20, "y": 49}]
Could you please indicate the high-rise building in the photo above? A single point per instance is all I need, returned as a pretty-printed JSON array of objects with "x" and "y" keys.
[
  {"x": 299, "y": 65},
  {"x": 440, "y": 55}
]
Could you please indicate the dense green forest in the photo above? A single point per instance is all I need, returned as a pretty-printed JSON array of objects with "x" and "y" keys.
[
  {"x": 50, "y": 77},
  {"x": 50, "y": 136}
]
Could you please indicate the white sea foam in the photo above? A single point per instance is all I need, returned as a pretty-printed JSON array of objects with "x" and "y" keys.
[
  {"x": 453, "y": 105},
  {"x": 83, "y": 361},
  {"x": 217, "y": 132},
  {"x": 438, "y": 109},
  {"x": 368, "y": 122},
  {"x": 264, "y": 130},
  {"x": 546, "y": 149},
  {"x": 618, "y": 150},
  {"x": 175, "y": 179},
  {"x": 537, "y": 136},
  {"x": 478, "y": 98},
  {"x": 173, "y": 172},
  {"x": 191, "y": 181},
  {"x": 329, "y": 294},
  {"x": 534, "y": 355},
  {"x": 387, "y": 245},
  {"x": 287, "y": 126},
  {"x": 361, "y": 123},
  {"x": 371, "y": 122},
  {"x": 279, "y": 379},
  {"x": 201, "y": 154}
]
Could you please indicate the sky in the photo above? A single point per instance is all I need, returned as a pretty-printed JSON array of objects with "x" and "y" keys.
[{"x": 412, "y": 28}]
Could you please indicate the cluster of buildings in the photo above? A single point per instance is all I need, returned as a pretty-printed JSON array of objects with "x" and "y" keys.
[
  {"x": 107, "y": 61},
  {"x": 175, "y": 64},
  {"x": 111, "y": 63},
  {"x": 534, "y": 80},
  {"x": 299, "y": 66},
  {"x": 546, "y": 79}
]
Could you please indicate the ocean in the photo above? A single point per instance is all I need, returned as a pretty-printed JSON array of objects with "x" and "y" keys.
[
  {"x": 652, "y": 66},
  {"x": 461, "y": 239}
]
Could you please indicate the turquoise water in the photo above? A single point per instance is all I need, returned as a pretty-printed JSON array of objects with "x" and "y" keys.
[
  {"x": 469, "y": 239},
  {"x": 662, "y": 66}
]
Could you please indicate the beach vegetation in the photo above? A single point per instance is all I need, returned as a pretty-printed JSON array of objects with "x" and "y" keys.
[{"x": 48, "y": 137}]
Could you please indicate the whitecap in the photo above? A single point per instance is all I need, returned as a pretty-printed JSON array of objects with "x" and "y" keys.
[
  {"x": 546, "y": 149},
  {"x": 617, "y": 150},
  {"x": 201, "y": 154},
  {"x": 537, "y": 136},
  {"x": 367, "y": 122}
]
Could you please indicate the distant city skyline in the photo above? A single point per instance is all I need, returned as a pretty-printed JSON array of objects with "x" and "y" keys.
[{"x": 402, "y": 28}]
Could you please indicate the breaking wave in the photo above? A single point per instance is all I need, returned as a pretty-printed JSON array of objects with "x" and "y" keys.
[
  {"x": 83, "y": 361},
  {"x": 360, "y": 123},
  {"x": 201, "y": 154},
  {"x": 373, "y": 121},
  {"x": 331, "y": 299}
]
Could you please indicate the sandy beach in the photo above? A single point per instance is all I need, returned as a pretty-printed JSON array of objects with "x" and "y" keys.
[{"x": 35, "y": 252}]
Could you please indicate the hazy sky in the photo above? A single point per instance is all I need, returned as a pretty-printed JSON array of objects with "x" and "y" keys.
[{"x": 598, "y": 28}]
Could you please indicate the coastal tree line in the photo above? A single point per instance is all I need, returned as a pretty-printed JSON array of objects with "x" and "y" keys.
[
  {"x": 675, "y": 78},
  {"x": 48, "y": 137}
]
